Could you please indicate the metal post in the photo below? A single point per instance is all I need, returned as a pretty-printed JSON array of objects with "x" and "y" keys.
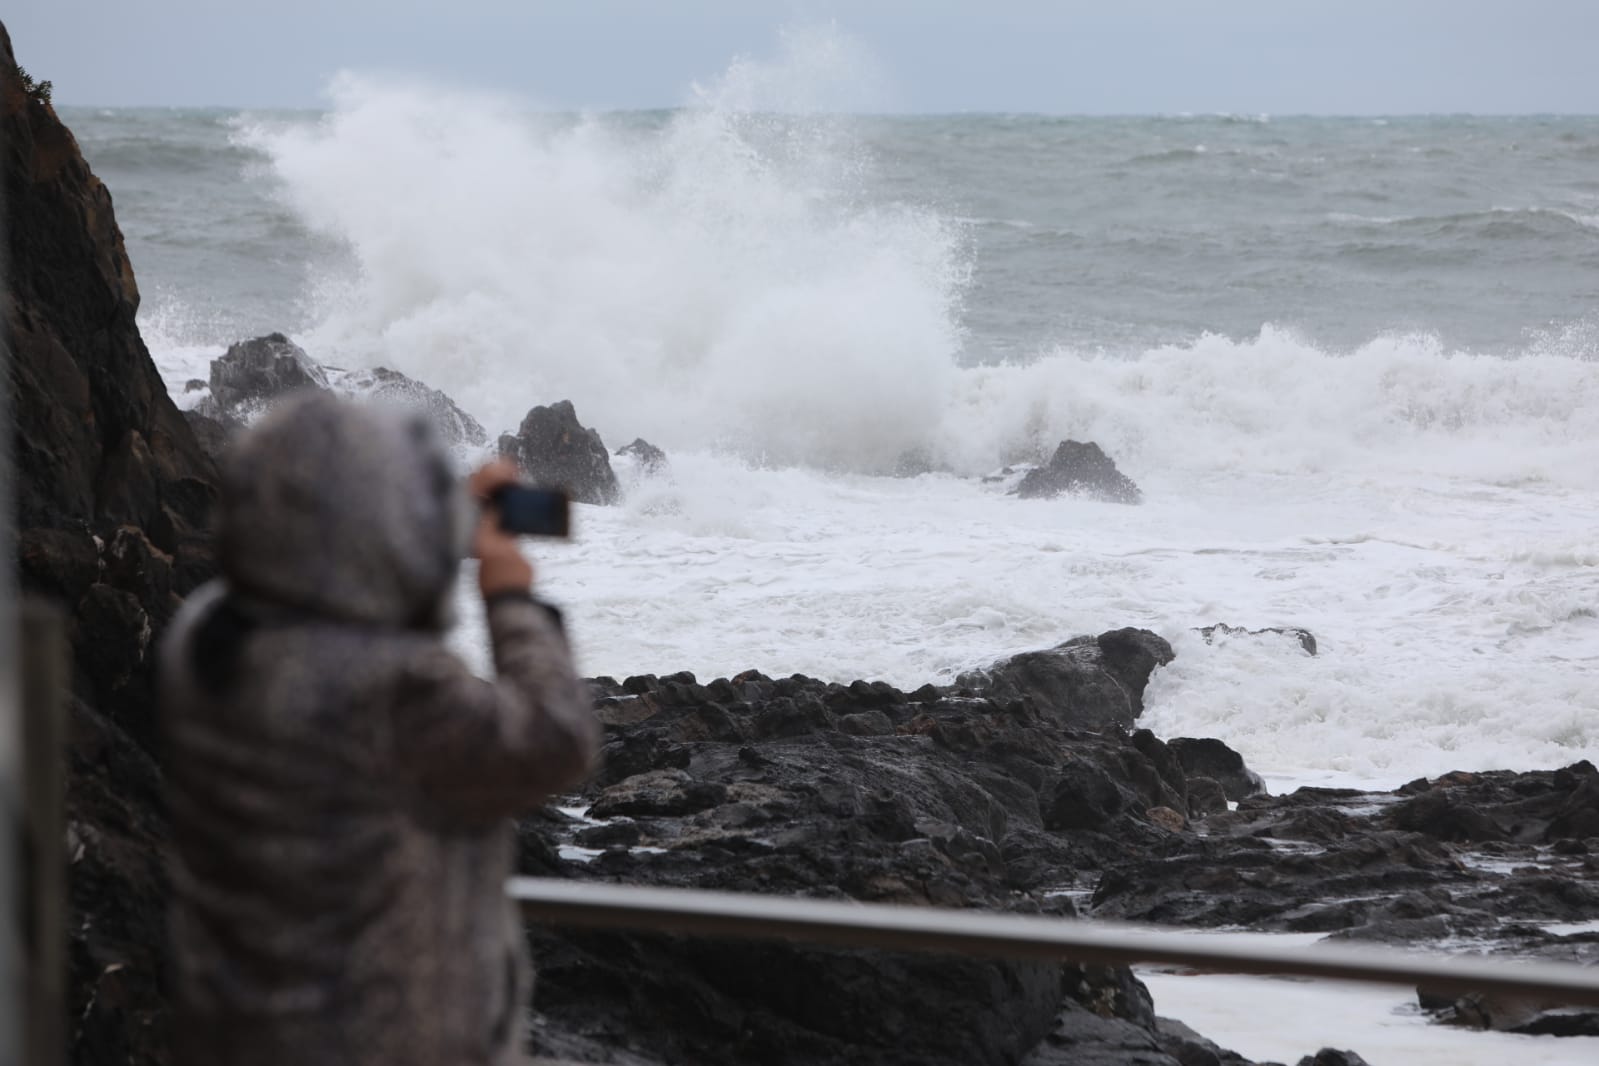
[
  {"x": 12, "y": 966},
  {"x": 44, "y": 685}
]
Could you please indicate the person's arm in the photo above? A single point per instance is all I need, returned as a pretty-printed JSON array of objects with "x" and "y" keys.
[{"x": 486, "y": 749}]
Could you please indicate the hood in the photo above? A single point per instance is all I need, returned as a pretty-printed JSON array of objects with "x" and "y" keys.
[{"x": 342, "y": 511}]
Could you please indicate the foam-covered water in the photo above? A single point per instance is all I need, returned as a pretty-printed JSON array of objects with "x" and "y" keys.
[{"x": 1353, "y": 363}]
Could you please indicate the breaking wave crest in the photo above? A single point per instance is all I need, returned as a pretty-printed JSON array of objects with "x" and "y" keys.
[{"x": 732, "y": 277}]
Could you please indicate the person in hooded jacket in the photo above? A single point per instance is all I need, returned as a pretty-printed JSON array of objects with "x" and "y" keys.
[{"x": 340, "y": 783}]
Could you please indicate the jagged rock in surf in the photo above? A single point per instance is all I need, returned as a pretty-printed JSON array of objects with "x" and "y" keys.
[
  {"x": 1333, "y": 1057},
  {"x": 554, "y": 450},
  {"x": 1087, "y": 682},
  {"x": 1508, "y": 1013},
  {"x": 1306, "y": 639},
  {"x": 649, "y": 458},
  {"x": 1083, "y": 470},
  {"x": 112, "y": 496},
  {"x": 383, "y": 385},
  {"x": 253, "y": 374}
]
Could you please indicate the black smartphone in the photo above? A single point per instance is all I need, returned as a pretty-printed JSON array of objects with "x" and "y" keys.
[{"x": 533, "y": 512}]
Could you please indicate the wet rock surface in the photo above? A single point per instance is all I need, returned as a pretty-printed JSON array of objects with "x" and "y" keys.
[
  {"x": 1490, "y": 858},
  {"x": 796, "y": 786},
  {"x": 252, "y": 375},
  {"x": 1087, "y": 682},
  {"x": 554, "y": 450},
  {"x": 383, "y": 385},
  {"x": 1081, "y": 470},
  {"x": 945, "y": 798}
]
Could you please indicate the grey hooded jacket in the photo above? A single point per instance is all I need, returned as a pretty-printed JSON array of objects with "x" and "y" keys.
[{"x": 340, "y": 783}]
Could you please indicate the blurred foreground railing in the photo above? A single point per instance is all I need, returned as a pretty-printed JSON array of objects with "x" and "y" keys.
[
  {"x": 875, "y": 925},
  {"x": 32, "y": 864}
]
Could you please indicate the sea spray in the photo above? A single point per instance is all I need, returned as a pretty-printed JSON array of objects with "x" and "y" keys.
[{"x": 710, "y": 277}]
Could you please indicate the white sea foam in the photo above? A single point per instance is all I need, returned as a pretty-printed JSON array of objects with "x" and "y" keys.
[
  {"x": 713, "y": 280},
  {"x": 1381, "y": 1024}
]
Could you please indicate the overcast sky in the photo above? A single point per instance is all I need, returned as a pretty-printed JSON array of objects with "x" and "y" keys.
[{"x": 1110, "y": 56}]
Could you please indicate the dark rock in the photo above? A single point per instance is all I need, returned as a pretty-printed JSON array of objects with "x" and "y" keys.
[
  {"x": 1083, "y": 1038},
  {"x": 1444, "y": 816},
  {"x": 134, "y": 565},
  {"x": 555, "y": 451},
  {"x": 1306, "y": 639},
  {"x": 801, "y": 788},
  {"x": 211, "y": 434},
  {"x": 1168, "y": 819},
  {"x": 1080, "y": 469},
  {"x": 872, "y": 723},
  {"x": 1085, "y": 797},
  {"x": 650, "y": 459},
  {"x": 58, "y": 563},
  {"x": 1207, "y": 757},
  {"x": 253, "y": 374},
  {"x": 1561, "y": 1021},
  {"x": 1205, "y": 796},
  {"x": 454, "y": 426},
  {"x": 1191, "y": 1049},
  {"x": 97, "y": 448},
  {"x": 657, "y": 792},
  {"x": 1330, "y": 1057},
  {"x": 625, "y": 834},
  {"x": 1087, "y": 682}
]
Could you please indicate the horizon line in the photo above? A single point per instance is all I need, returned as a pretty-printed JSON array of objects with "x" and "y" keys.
[{"x": 967, "y": 113}]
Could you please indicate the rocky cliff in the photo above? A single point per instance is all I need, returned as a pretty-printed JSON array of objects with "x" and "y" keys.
[{"x": 111, "y": 496}]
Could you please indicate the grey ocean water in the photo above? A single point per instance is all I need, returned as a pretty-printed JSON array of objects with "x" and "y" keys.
[{"x": 1094, "y": 234}]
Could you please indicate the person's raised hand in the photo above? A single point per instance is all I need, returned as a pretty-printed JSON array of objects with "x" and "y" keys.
[{"x": 501, "y": 567}]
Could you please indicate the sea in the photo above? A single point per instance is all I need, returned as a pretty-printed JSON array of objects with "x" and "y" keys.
[{"x": 1353, "y": 363}]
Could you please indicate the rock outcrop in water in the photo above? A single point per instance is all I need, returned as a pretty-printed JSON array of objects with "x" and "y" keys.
[
  {"x": 112, "y": 496},
  {"x": 454, "y": 425},
  {"x": 253, "y": 375},
  {"x": 650, "y": 459},
  {"x": 1080, "y": 469},
  {"x": 556, "y": 451},
  {"x": 1088, "y": 682},
  {"x": 1222, "y": 631}
]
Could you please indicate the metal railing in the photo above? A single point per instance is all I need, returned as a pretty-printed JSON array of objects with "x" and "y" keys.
[{"x": 1013, "y": 936}]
